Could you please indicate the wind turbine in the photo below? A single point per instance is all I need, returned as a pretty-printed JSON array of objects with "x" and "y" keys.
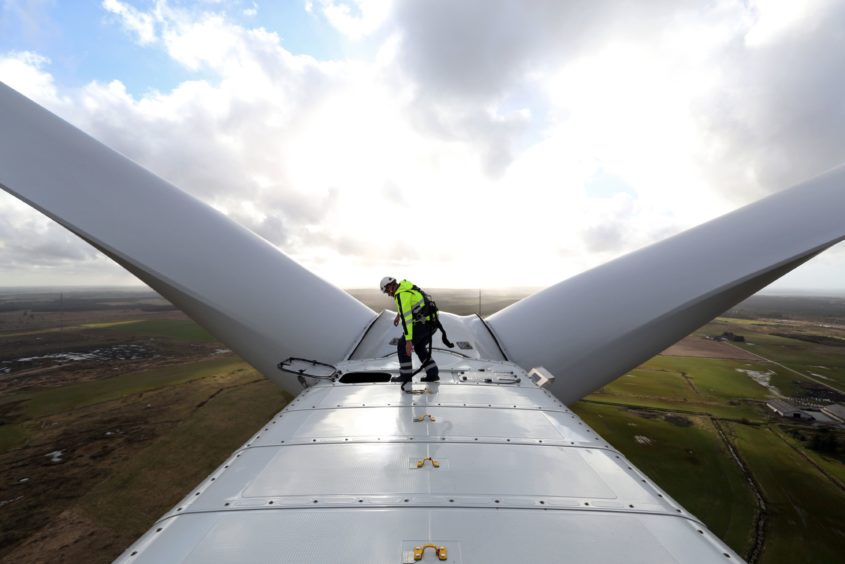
[{"x": 487, "y": 466}]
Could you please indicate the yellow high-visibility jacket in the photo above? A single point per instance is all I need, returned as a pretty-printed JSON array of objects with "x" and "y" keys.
[{"x": 409, "y": 304}]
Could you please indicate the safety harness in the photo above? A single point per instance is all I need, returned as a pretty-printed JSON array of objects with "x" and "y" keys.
[{"x": 427, "y": 314}]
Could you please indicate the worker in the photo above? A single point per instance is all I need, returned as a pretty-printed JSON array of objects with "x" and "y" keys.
[{"x": 417, "y": 328}]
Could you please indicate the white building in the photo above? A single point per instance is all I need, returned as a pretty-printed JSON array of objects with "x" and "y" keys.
[
  {"x": 836, "y": 411},
  {"x": 785, "y": 409}
]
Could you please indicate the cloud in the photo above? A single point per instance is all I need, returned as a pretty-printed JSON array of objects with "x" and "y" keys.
[
  {"x": 355, "y": 19},
  {"x": 31, "y": 240},
  {"x": 24, "y": 71},
  {"x": 779, "y": 117},
  {"x": 475, "y": 143},
  {"x": 141, "y": 24},
  {"x": 480, "y": 68},
  {"x": 269, "y": 138}
]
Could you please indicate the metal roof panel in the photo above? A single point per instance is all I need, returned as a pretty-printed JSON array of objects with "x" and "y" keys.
[{"x": 472, "y": 536}]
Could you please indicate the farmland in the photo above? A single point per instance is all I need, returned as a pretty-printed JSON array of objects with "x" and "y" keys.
[
  {"x": 113, "y": 405},
  {"x": 695, "y": 420},
  {"x": 109, "y": 415}
]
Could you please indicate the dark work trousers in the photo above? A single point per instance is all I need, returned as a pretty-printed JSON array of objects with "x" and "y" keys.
[{"x": 420, "y": 340}]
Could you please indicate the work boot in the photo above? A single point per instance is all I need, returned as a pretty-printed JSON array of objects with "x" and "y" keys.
[{"x": 402, "y": 380}]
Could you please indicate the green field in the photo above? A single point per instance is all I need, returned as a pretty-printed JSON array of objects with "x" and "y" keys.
[
  {"x": 11, "y": 436},
  {"x": 740, "y": 412},
  {"x": 718, "y": 379},
  {"x": 135, "y": 444},
  {"x": 803, "y": 488},
  {"x": 691, "y": 379},
  {"x": 793, "y": 351},
  {"x": 180, "y": 422},
  {"x": 829, "y": 464},
  {"x": 799, "y": 354},
  {"x": 804, "y": 506},
  {"x": 651, "y": 381},
  {"x": 691, "y": 385},
  {"x": 181, "y": 329},
  {"x": 689, "y": 461},
  {"x": 161, "y": 474},
  {"x": 74, "y": 396}
]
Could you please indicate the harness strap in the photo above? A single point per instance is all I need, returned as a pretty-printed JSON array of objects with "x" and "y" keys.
[
  {"x": 434, "y": 319},
  {"x": 402, "y": 316}
]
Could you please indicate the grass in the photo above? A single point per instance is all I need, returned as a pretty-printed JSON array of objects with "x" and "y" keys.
[
  {"x": 689, "y": 462},
  {"x": 66, "y": 398},
  {"x": 787, "y": 383},
  {"x": 691, "y": 379},
  {"x": 692, "y": 463},
  {"x": 794, "y": 351},
  {"x": 180, "y": 329},
  {"x": 26, "y": 333},
  {"x": 155, "y": 479},
  {"x": 716, "y": 378},
  {"x": 11, "y": 436},
  {"x": 803, "y": 356},
  {"x": 177, "y": 424},
  {"x": 650, "y": 380},
  {"x": 804, "y": 506},
  {"x": 690, "y": 385},
  {"x": 806, "y": 358},
  {"x": 739, "y": 412},
  {"x": 831, "y": 375},
  {"x": 828, "y": 463},
  {"x": 224, "y": 401}
]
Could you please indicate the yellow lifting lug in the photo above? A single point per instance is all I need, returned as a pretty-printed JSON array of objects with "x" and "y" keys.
[
  {"x": 421, "y": 463},
  {"x": 422, "y": 418},
  {"x": 440, "y": 551}
]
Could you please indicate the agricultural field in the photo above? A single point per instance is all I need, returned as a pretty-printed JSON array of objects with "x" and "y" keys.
[
  {"x": 108, "y": 415},
  {"x": 685, "y": 455},
  {"x": 801, "y": 502},
  {"x": 113, "y": 405},
  {"x": 695, "y": 420}
]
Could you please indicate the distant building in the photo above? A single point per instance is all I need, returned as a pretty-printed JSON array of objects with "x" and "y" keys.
[
  {"x": 729, "y": 336},
  {"x": 820, "y": 417},
  {"x": 785, "y": 409},
  {"x": 836, "y": 411}
]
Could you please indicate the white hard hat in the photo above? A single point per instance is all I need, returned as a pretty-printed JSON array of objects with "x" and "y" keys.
[{"x": 386, "y": 281}]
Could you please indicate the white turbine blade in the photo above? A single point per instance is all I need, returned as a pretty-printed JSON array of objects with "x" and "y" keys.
[
  {"x": 592, "y": 328},
  {"x": 237, "y": 285}
]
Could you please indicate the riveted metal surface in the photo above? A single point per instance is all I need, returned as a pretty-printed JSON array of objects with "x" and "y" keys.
[
  {"x": 397, "y": 424},
  {"x": 352, "y": 449},
  {"x": 442, "y": 394},
  {"x": 483, "y": 474},
  {"x": 367, "y": 536}
]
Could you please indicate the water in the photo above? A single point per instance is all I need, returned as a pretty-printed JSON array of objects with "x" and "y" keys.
[
  {"x": 116, "y": 352},
  {"x": 762, "y": 378}
]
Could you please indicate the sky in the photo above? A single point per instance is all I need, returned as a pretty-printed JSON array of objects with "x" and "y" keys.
[{"x": 472, "y": 144}]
